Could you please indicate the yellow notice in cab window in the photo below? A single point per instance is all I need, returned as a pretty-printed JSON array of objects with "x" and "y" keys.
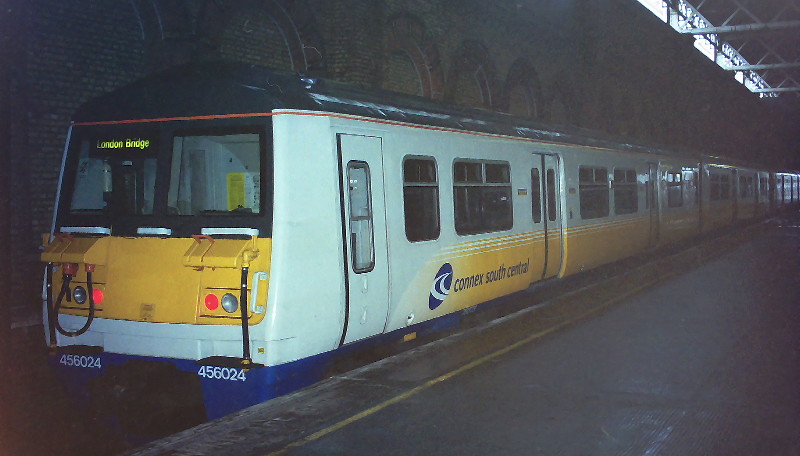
[{"x": 236, "y": 193}]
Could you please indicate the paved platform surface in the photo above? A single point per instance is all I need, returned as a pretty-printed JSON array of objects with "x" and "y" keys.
[{"x": 706, "y": 362}]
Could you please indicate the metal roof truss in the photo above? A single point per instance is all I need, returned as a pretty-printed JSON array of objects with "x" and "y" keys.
[{"x": 758, "y": 40}]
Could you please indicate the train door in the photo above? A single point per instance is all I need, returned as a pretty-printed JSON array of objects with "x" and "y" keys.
[
  {"x": 651, "y": 202},
  {"x": 551, "y": 213},
  {"x": 364, "y": 229}
]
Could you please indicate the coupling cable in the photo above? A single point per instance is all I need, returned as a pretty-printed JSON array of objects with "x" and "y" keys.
[{"x": 70, "y": 269}]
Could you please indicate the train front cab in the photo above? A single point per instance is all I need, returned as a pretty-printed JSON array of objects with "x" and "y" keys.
[{"x": 157, "y": 268}]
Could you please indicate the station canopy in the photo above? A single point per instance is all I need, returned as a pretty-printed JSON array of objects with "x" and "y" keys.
[{"x": 757, "y": 41}]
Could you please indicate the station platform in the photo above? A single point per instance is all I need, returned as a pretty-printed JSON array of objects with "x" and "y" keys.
[{"x": 696, "y": 353}]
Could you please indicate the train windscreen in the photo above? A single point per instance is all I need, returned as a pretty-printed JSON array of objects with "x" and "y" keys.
[
  {"x": 215, "y": 175},
  {"x": 115, "y": 175},
  {"x": 182, "y": 181}
]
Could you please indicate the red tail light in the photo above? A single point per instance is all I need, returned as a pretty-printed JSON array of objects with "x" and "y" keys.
[
  {"x": 98, "y": 296},
  {"x": 212, "y": 302}
]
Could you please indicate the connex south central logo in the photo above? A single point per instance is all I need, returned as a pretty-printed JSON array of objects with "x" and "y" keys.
[{"x": 441, "y": 286}]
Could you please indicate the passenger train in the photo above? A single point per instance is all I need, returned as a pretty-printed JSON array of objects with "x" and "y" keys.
[{"x": 224, "y": 233}]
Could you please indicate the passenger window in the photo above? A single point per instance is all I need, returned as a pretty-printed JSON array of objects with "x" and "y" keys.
[
  {"x": 536, "y": 196},
  {"x": 482, "y": 196},
  {"x": 674, "y": 189},
  {"x": 626, "y": 197},
  {"x": 593, "y": 191},
  {"x": 362, "y": 247},
  {"x": 420, "y": 199}
]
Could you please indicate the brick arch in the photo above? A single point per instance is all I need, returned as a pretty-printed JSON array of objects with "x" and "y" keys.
[
  {"x": 298, "y": 27},
  {"x": 472, "y": 61},
  {"x": 522, "y": 76},
  {"x": 176, "y": 31},
  {"x": 407, "y": 36}
]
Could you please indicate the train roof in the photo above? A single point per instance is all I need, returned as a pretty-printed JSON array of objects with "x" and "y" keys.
[{"x": 218, "y": 88}]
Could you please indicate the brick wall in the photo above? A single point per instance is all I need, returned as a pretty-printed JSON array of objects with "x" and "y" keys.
[
  {"x": 593, "y": 60},
  {"x": 71, "y": 52},
  {"x": 7, "y": 45}
]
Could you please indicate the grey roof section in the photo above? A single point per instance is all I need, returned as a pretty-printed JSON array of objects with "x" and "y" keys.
[{"x": 221, "y": 88}]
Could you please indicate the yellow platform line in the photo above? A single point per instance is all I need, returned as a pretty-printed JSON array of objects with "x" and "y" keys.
[{"x": 482, "y": 360}]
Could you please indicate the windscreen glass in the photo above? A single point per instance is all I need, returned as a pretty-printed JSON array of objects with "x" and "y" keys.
[
  {"x": 115, "y": 174},
  {"x": 215, "y": 175}
]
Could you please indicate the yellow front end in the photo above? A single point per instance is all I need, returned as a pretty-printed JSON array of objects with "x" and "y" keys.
[{"x": 163, "y": 280}]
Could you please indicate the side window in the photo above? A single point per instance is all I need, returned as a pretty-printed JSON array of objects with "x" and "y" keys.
[
  {"x": 362, "y": 248},
  {"x": 626, "y": 197},
  {"x": 420, "y": 199},
  {"x": 551, "y": 195},
  {"x": 536, "y": 196},
  {"x": 593, "y": 191},
  {"x": 674, "y": 189},
  {"x": 482, "y": 196}
]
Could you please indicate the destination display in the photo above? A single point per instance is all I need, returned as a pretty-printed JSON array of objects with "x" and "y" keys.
[{"x": 125, "y": 144}]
